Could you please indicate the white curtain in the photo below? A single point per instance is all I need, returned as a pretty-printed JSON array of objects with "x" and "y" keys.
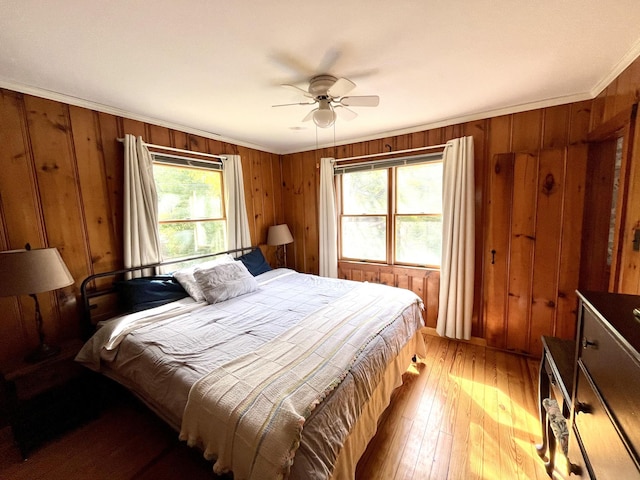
[
  {"x": 141, "y": 239},
  {"x": 458, "y": 240},
  {"x": 238, "y": 234},
  {"x": 328, "y": 221}
]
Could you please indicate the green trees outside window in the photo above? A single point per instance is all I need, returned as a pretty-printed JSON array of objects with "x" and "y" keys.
[
  {"x": 190, "y": 210},
  {"x": 409, "y": 195}
]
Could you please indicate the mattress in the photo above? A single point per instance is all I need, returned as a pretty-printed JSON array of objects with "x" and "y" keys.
[{"x": 159, "y": 354}]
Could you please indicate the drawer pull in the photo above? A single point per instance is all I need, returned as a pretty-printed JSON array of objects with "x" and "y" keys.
[
  {"x": 574, "y": 469},
  {"x": 582, "y": 407},
  {"x": 586, "y": 343}
]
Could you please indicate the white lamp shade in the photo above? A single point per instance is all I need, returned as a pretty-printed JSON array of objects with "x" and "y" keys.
[
  {"x": 24, "y": 272},
  {"x": 324, "y": 116},
  {"x": 279, "y": 235}
]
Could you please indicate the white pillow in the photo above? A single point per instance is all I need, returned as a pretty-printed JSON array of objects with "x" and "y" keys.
[
  {"x": 185, "y": 277},
  {"x": 222, "y": 282}
]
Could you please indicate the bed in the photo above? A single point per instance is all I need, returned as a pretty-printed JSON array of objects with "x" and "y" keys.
[{"x": 273, "y": 374}]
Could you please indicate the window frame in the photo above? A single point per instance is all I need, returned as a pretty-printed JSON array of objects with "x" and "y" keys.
[
  {"x": 392, "y": 202},
  {"x": 183, "y": 162}
]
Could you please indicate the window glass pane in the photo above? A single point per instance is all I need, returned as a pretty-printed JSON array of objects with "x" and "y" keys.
[
  {"x": 184, "y": 239},
  {"x": 365, "y": 192},
  {"x": 419, "y": 188},
  {"x": 364, "y": 238},
  {"x": 188, "y": 193},
  {"x": 419, "y": 239}
]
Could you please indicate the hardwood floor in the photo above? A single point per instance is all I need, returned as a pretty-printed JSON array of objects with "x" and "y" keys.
[{"x": 466, "y": 412}]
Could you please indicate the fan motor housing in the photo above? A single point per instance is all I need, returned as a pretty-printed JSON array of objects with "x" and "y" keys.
[{"x": 319, "y": 85}]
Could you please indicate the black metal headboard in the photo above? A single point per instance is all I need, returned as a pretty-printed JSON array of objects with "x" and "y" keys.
[{"x": 89, "y": 293}]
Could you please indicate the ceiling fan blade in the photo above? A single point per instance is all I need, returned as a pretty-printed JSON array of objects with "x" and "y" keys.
[
  {"x": 345, "y": 113},
  {"x": 289, "y": 104},
  {"x": 361, "y": 101},
  {"x": 341, "y": 87},
  {"x": 304, "y": 92},
  {"x": 293, "y": 64},
  {"x": 329, "y": 59},
  {"x": 309, "y": 115}
]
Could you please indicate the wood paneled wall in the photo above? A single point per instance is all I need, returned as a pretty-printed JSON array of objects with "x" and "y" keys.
[
  {"x": 550, "y": 307},
  {"x": 60, "y": 185},
  {"x": 424, "y": 282},
  {"x": 61, "y": 176},
  {"x": 615, "y": 101},
  {"x": 531, "y": 131}
]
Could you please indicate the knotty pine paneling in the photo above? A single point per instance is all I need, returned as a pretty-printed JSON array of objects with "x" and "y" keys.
[
  {"x": 551, "y": 200},
  {"x": 628, "y": 280},
  {"x": 522, "y": 242},
  {"x": 595, "y": 232},
  {"x": 569, "y": 267},
  {"x": 424, "y": 282},
  {"x": 496, "y": 261},
  {"x": 58, "y": 190},
  {"x": 21, "y": 213},
  {"x": 61, "y": 186},
  {"x": 524, "y": 134},
  {"x": 94, "y": 188},
  {"x": 617, "y": 98}
]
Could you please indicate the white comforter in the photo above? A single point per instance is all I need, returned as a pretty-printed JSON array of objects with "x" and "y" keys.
[{"x": 162, "y": 353}]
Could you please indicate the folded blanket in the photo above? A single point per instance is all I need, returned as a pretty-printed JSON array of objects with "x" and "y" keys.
[{"x": 249, "y": 413}]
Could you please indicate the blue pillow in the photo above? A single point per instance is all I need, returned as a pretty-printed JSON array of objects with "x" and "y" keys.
[
  {"x": 147, "y": 292},
  {"x": 255, "y": 262}
]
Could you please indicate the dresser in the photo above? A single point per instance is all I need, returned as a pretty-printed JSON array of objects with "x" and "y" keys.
[{"x": 605, "y": 414}]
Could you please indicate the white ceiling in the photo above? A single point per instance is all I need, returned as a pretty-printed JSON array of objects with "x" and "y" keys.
[{"x": 214, "y": 67}]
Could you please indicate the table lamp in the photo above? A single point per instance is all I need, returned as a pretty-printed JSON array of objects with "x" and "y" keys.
[
  {"x": 27, "y": 272},
  {"x": 280, "y": 235}
]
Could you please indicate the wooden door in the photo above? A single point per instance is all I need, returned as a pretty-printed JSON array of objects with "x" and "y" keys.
[
  {"x": 595, "y": 266},
  {"x": 532, "y": 262},
  {"x": 625, "y": 267}
]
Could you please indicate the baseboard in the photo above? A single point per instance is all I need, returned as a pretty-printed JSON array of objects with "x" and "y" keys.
[{"x": 474, "y": 340}]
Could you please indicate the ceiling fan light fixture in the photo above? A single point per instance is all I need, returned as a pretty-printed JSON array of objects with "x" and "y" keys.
[
  {"x": 324, "y": 116},
  {"x": 329, "y": 93}
]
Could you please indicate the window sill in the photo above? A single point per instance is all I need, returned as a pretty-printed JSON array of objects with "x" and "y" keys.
[{"x": 385, "y": 267}]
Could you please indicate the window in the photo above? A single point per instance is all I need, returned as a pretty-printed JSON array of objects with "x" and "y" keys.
[
  {"x": 191, "y": 212},
  {"x": 392, "y": 212}
]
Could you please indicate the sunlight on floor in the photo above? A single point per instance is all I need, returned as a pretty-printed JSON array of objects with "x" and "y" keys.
[
  {"x": 506, "y": 430},
  {"x": 475, "y": 455}
]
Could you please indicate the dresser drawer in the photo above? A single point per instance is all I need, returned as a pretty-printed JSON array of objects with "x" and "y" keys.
[
  {"x": 608, "y": 456},
  {"x": 576, "y": 459},
  {"x": 614, "y": 371}
]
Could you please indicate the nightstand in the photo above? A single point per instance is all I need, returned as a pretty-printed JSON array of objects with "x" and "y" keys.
[{"x": 47, "y": 398}]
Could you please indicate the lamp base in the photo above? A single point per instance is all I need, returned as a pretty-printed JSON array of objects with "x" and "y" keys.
[{"x": 41, "y": 353}]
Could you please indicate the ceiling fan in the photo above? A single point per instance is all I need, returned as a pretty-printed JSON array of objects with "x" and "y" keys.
[{"x": 329, "y": 93}]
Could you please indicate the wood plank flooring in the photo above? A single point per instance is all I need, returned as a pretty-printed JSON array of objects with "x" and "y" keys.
[{"x": 467, "y": 412}]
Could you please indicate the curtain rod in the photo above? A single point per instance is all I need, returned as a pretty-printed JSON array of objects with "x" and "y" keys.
[
  {"x": 179, "y": 150},
  {"x": 390, "y": 153}
]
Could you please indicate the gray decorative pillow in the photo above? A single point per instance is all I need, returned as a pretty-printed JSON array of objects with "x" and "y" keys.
[
  {"x": 222, "y": 282},
  {"x": 185, "y": 276}
]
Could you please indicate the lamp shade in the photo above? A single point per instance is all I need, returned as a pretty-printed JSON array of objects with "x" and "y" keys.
[
  {"x": 24, "y": 272},
  {"x": 279, "y": 235},
  {"x": 324, "y": 116}
]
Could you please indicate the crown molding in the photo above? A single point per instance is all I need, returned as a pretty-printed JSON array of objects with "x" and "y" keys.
[
  {"x": 618, "y": 68},
  {"x": 80, "y": 102},
  {"x": 550, "y": 102}
]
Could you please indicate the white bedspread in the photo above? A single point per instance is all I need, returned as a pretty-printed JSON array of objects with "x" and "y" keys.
[
  {"x": 249, "y": 413},
  {"x": 160, "y": 358}
]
